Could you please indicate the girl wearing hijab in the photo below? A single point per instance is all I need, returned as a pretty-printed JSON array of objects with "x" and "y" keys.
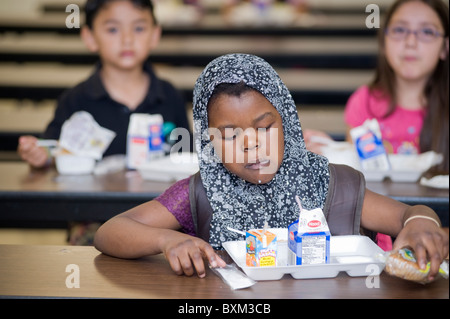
[{"x": 253, "y": 162}]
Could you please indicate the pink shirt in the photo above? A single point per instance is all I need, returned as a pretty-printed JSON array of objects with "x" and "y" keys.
[{"x": 400, "y": 131}]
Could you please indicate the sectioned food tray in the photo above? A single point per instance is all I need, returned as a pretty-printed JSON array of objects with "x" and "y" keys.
[
  {"x": 355, "y": 255},
  {"x": 170, "y": 168}
]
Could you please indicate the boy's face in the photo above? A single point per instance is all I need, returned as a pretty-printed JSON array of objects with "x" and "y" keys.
[
  {"x": 122, "y": 34},
  {"x": 247, "y": 134}
]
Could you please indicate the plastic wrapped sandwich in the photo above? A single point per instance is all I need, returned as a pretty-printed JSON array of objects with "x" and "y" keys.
[{"x": 403, "y": 263}]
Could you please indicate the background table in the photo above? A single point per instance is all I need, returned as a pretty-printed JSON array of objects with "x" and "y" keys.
[
  {"x": 40, "y": 271},
  {"x": 415, "y": 194},
  {"x": 44, "y": 198}
]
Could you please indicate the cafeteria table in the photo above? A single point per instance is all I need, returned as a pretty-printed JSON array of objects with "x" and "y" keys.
[
  {"x": 44, "y": 196},
  {"x": 83, "y": 272}
]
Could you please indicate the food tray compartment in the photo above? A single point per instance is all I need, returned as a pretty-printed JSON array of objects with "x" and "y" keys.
[
  {"x": 355, "y": 255},
  {"x": 173, "y": 167}
]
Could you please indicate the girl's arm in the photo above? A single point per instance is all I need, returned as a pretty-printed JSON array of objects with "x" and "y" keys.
[
  {"x": 150, "y": 229},
  {"x": 385, "y": 215}
]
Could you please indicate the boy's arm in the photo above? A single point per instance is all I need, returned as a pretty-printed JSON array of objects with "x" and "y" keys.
[
  {"x": 33, "y": 154},
  {"x": 385, "y": 215}
]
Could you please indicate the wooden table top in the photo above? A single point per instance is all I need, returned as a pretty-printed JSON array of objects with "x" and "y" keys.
[
  {"x": 19, "y": 177},
  {"x": 46, "y": 197},
  {"x": 48, "y": 271}
]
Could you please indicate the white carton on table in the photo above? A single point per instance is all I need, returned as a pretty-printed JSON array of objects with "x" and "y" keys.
[
  {"x": 144, "y": 139},
  {"x": 309, "y": 239},
  {"x": 369, "y": 146}
]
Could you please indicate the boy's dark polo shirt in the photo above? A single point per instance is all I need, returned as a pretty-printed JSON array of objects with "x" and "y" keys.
[{"x": 91, "y": 96}]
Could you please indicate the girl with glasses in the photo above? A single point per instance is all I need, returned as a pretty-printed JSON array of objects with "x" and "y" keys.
[{"x": 409, "y": 93}]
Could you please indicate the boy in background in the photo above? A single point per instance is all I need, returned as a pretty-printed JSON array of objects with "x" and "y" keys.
[{"x": 123, "y": 33}]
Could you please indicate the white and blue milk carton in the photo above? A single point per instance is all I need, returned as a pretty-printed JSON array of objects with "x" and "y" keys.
[
  {"x": 144, "y": 139},
  {"x": 309, "y": 239},
  {"x": 369, "y": 146}
]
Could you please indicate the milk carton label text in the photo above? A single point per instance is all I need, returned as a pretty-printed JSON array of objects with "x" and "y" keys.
[{"x": 309, "y": 239}]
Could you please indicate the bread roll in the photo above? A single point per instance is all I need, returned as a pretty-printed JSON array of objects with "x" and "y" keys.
[{"x": 402, "y": 263}]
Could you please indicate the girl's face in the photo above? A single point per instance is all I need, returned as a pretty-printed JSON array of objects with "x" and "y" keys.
[
  {"x": 411, "y": 58},
  {"x": 247, "y": 134},
  {"x": 122, "y": 34}
]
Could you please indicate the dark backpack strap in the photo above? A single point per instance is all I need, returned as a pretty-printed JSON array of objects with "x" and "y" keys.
[
  {"x": 343, "y": 205},
  {"x": 200, "y": 208}
]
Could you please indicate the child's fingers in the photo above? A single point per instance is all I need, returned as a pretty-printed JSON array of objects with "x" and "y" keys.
[
  {"x": 187, "y": 261},
  {"x": 217, "y": 261},
  {"x": 36, "y": 156},
  {"x": 199, "y": 264},
  {"x": 427, "y": 251},
  {"x": 25, "y": 144},
  {"x": 180, "y": 263},
  {"x": 213, "y": 259},
  {"x": 36, "y": 151},
  {"x": 207, "y": 252},
  {"x": 27, "y": 140},
  {"x": 434, "y": 254},
  {"x": 188, "y": 258},
  {"x": 421, "y": 255},
  {"x": 29, "y": 150}
]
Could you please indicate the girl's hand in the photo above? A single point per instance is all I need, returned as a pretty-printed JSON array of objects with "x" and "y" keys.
[
  {"x": 315, "y": 145},
  {"x": 185, "y": 254},
  {"x": 29, "y": 151},
  {"x": 429, "y": 242}
]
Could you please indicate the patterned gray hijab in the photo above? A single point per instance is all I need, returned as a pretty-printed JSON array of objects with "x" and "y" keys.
[{"x": 237, "y": 203}]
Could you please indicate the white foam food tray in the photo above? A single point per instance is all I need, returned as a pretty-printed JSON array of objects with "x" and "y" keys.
[
  {"x": 170, "y": 168},
  {"x": 355, "y": 255},
  {"x": 405, "y": 167}
]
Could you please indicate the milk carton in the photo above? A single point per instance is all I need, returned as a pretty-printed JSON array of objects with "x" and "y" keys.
[
  {"x": 261, "y": 248},
  {"x": 369, "y": 146},
  {"x": 309, "y": 239},
  {"x": 144, "y": 139}
]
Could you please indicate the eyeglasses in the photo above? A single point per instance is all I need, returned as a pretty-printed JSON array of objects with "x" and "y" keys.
[{"x": 426, "y": 34}]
